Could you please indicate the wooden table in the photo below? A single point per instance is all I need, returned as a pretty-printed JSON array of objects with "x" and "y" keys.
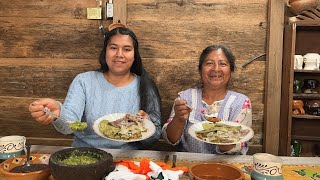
[{"x": 244, "y": 162}]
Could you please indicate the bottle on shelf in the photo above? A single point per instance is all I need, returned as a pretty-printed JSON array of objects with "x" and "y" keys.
[
  {"x": 109, "y": 10},
  {"x": 295, "y": 148}
]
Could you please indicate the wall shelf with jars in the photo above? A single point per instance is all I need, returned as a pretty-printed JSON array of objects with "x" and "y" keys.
[{"x": 300, "y": 94}]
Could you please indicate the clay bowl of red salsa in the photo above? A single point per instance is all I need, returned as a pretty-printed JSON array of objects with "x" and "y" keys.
[{"x": 215, "y": 171}]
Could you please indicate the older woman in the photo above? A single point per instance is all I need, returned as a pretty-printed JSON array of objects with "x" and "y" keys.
[{"x": 213, "y": 98}]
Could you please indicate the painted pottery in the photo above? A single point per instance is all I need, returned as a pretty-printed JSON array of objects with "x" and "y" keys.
[
  {"x": 312, "y": 107},
  {"x": 310, "y": 86},
  {"x": 266, "y": 166},
  {"x": 12, "y": 146},
  {"x": 9, "y": 164}
]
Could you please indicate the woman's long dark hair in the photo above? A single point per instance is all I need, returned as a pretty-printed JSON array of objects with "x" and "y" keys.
[{"x": 147, "y": 85}]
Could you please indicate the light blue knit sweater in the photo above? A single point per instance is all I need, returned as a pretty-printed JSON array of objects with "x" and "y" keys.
[{"x": 90, "y": 97}]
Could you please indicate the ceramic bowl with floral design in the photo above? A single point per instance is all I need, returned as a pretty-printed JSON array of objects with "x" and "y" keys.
[{"x": 9, "y": 164}]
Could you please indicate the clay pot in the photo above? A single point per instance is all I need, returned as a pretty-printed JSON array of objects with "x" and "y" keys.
[
  {"x": 297, "y": 107},
  {"x": 298, "y": 6},
  {"x": 9, "y": 164},
  {"x": 115, "y": 25},
  {"x": 312, "y": 107},
  {"x": 310, "y": 86},
  {"x": 206, "y": 171}
]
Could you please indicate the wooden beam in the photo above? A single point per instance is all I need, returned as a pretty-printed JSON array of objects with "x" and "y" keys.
[
  {"x": 273, "y": 75},
  {"x": 287, "y": 90},
  {"x": 120, "y": 11}
]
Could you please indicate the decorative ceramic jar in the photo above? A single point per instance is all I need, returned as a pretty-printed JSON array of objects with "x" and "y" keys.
[
  {"x": 312, "y": 107},
  {"x": 310, "y": 86}
]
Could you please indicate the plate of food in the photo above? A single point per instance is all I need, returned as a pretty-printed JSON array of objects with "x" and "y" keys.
[
  {"x": 124, "y": 127},
  {"x": 221, "y": 133}
]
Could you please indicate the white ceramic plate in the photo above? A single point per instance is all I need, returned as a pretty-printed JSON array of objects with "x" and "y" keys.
[
  {"x": 112, "y": 117},
  {"x": 198, "y": 127}
]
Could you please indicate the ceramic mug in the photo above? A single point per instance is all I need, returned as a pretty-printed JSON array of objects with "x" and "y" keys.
[
  {"x": 298, "y": 61},
  {"x": 311, "y": 61},
  {"x": 266, "y": 166},
  {"x": 12, "y": 146}
]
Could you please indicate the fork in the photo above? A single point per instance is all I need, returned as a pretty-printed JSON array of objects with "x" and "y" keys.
[
  {"x": 196, "y": 110},
  {"x": 47, "y": 110}
]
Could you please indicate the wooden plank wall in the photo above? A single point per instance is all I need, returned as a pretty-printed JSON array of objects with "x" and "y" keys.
[{"x": 44, "y": 44}]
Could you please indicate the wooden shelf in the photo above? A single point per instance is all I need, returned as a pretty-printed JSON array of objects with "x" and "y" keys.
[
  {"x": 306, "y": 138},
  {"x": 300, "y": 37},
  {"x": 306, "y": 96},
  {"x": 306, "y": 71},
  {"x": 306, "y": 116}
]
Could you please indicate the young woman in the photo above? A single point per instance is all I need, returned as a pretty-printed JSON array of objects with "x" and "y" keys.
[{"x": 121, "y": 85}]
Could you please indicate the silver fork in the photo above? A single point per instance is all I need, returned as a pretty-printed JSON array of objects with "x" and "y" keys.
[
  {"x": 46, "y": 110},
  {"x": 193, "y": 109}
]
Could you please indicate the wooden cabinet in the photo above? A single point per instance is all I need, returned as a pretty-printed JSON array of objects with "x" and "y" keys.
[{"x": 301, "y": 36}]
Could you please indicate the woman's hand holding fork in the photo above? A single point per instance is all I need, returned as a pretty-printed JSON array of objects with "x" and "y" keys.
[{"x": 36, "y": 108}]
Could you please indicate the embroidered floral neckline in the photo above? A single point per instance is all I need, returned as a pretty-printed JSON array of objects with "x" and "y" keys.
[{"x": 212, "y": 109}]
